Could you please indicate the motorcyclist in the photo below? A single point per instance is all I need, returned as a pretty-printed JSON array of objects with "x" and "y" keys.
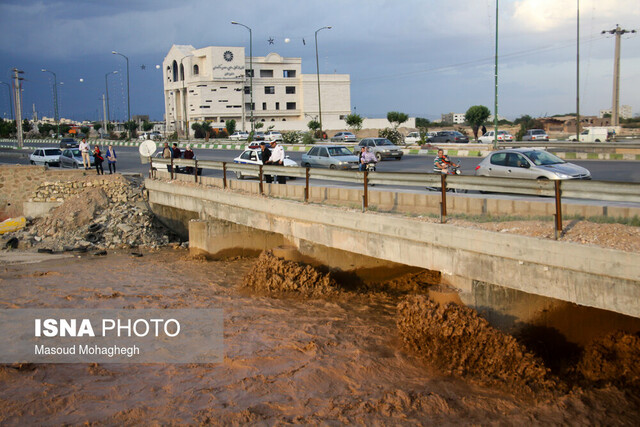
[
  {"x": 442, "y": 163},
  {"x": 366, "y": 157}
]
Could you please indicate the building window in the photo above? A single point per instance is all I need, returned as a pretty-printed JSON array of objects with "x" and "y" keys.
[
  {"x": 181, "y": 72},
  {"x": 277, "y": 105},
  {"x": 291, "y": 105},
  {"x": 266, "y": 73},
  {"x": 269, "y": 90},
  {"x": 247, "y": 90},
  {"x": 290, "y": 89},
  {"x": 196, "y": 70},
  {"x": 264, "y": 105},
  {"x": 175, "y": 71},
  {"x": 205, "y": 106},
  {"x": 289, "y": 73},
  {"x": 249, "y": 73},
  {"x": 248, "y": 106}
]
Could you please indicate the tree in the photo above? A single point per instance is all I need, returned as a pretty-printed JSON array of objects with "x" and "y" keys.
[
  {"x": 26, "y": 126},
  {"x": 259, "y": 125},
  {"x": 7, "y": 128},
  {"x": 354, "y": 122},
  {"x": 146, "y": 126},
  {"x": 206, "y": 128},
  {"x": 313, "y": 125},
  {"x": 231, "y": 126},
  {"x": 526, "y": 122},
  {"x": 64, "y": 129},
  {"x": 131, "y": 126},
  {"x": 476, "y": 115},
  {"x": 97, "y": 126},
  {"x": 422, "y": 123},
  {"x": 396, "y": 118},
  {"x": 198, "y": 133},
  {"x": 85, "y": 130}
]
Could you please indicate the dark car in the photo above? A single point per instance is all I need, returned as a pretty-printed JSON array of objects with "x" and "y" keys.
[
  {"x": 68, "y": 143},
  {"x": 381, "y": 147},
  {"x": 448, "y": 136}
]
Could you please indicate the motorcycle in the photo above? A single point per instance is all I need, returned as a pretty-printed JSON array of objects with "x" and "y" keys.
[{"x": 451, "y": 170}]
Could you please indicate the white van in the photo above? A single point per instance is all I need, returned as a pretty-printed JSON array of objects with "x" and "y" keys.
[{"x": 594, "y": 134}]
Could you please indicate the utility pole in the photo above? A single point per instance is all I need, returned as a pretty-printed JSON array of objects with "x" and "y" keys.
[
  {"x": 578, "y": 71},
  {"x": 104, "y": 116},
  {"x": 615, "y": 119},
  {"x": 495, "y": 105},
  {"x": 17, "y": 87}
]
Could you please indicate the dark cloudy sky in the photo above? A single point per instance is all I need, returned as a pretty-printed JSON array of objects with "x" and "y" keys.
[{"x": 422, "y": 57}]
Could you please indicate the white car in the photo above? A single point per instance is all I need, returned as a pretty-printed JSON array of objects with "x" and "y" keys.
[
  {"x": 412, "y": 138},
  {"x": 154, "y": 136},
  {"x": 488, "y": 137},
  {"x": 239, "y": 136},
  {"x": 252, "y": 156},
  {"x": 273, "y": 135},
  {"x": 49, "y": 156}
]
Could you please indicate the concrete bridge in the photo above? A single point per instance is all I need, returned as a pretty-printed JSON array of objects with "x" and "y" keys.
[{"x": 473, "y": 261}]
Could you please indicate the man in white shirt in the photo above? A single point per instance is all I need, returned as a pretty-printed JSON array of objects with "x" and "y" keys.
[
  {"x": 277, "y": 158},
  {"x": 84, "y": 149}
]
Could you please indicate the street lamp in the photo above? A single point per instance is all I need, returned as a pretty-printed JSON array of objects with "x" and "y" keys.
[
  {"x": 9, "y": 93},
  {"x": 55, "y": 99},
  {"x": 184, "y": 98},
  {"x": 106, "y": 86},
  {"x": 250, "y": 72},
  {"x": 128, "y": 96},
  {"x": 318, "y": 78}
]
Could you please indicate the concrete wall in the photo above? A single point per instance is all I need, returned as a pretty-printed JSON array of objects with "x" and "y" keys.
[
  {"x": 17, "y": 183},
  {"x": 585, "y": 275}
]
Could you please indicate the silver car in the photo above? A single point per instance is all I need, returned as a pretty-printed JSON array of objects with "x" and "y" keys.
[
  {"x": 381, "y": 147},
  {"x": 330, "y": 156},
  {"x": 535, "y": 135},
  {"x": 529, "y": 163},
  {"x": 343, "y": 137},
  {"x": 72, "y": 158}
]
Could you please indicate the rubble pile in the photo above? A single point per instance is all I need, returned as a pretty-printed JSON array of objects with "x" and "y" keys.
[{"x": 96, "y": 214}]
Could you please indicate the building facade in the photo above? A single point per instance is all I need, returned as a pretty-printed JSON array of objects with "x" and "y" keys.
[
  {"x": 626, "y": 112},
  {"x": 454, "y": 118},
  {"x": 214, "y": 84}
]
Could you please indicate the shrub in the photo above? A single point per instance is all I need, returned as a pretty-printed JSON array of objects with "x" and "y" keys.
[
  {"x": 292, "y": 137},
  {"x": 307, "y": 138},
  {"x": 391, "y": 134},
  {"x": 173, "y": 136}
]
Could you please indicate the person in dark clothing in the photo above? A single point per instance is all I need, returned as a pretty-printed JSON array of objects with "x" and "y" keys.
[
  {"x": 266, "y": 154},
  {"x": 484, "y": 130},
  {"x": 97, "y": 155},
  {"x": 189, "y": 155}
]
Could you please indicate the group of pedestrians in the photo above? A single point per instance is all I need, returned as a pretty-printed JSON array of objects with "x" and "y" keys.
[
  {"x": 174, "y": 152},
  {"x": 97, "y": 157}
]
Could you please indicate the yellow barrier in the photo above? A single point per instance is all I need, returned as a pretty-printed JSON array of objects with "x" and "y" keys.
[{"x": 12, "y": 224}]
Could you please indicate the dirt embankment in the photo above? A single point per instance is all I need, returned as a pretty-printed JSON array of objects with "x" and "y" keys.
[{"x": 454, "y": 338}]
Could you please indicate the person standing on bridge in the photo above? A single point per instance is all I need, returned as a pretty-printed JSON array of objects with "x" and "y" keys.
[
  {"x": 84, "y": 150},
  {"x": 167, "y": 153},
  {"x": 266, "y": 160},
  {"x": 111, "y": 159},
  {"x": 97, "y": 156}
]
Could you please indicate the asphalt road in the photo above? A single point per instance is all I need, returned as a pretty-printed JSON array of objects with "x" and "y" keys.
[{"x": 601, "y": 170}]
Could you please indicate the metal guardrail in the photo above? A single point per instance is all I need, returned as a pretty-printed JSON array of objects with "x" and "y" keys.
[
  {"x": 570, "y": 145},
  {"x": 578, "y": 189}
]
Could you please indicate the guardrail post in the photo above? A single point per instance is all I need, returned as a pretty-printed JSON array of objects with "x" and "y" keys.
[
  {"x": 365, "y": 199},
  {"x": 150, "y": 168},
  {"x": 558, "y": 207},
  {"x": 261, "y": 185},
  {"x": 224, "y": 175},
  {"x": 306, "y": 186},
  {"x": 172, "y": 169},
  {"x": 443, "y": 198},
  {"x": 195, "y": 172}
]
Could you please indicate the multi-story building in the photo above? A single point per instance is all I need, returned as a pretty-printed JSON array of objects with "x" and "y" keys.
[
  {"x": 454, "y": 118},
  {"x": 214, "y": 84},
  {"x": 626, "y": 112}
]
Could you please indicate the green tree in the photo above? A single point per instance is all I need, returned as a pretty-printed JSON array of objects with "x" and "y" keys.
[
  {"x": 64, "y": 129},
  {"x": 26, "y": 126},
  {"x": 110, "y": 127},
  {"x": 476, "y": 115},
  {"x": 85, "y": 130},
  {"x": 147, "y": 126},
  {"x": 46, "y": 129},
  {"x": 391, "y": 134},
  {"x": 422, "y": 122},
  {"x": 354, "y": 122},
  {"x": 396, "y": 118},
  {"x": 198, "y": 133},
  {"x": 7, "y": 128},
  {"x": 131, "y": 126},
  {"x": 206, "y": 128},
  {"x": 231, "y": 126},
  {"x": 313, "y": 125},
  {"x": 97, "y": 126},
  {"x": 526, "y": 122},
  {"x": 259, "y": 125}
]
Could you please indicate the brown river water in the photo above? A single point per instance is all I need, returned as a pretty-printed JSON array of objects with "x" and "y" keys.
[{"x": 333, "y": 358}]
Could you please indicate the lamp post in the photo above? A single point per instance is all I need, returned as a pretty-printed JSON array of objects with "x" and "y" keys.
[
  {"x": 495, "y": 89},
  {"x": 128, "y": 96},
  {"x": 106, "y": 86},
  {"x": 9, "y": 93},
  {"x": 55, "y": 100},
  {"x": 318, "y": 77},
  {"x": 184, "y": 99},
  {"x": 250, "y": 72}
]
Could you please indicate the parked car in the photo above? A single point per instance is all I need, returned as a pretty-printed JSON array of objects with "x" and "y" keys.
[
  {"x": 68, "y": 143},
  {"x": 535, "y": 135},
  {"x": 252, "y": 156},
  {"x": 412, "y": 138},
  {"x": 594, "y": 134},
  {"x": 239, "y": 136},
  {"x": 273, "y": 135},
  {"x": 488, "y": 137},
  {"x": 154, "y": 136},
  {"x": 381, "y": 147},
  {"x": 72, "y": 158},
  {"x": 344, "y": 137},
  {"x": 529, "y": 163},
  {"x": 49, "y": 156},
  {"x": 330, "y": 156},
  {"x": 258, "y": 136},
  {"x": 448, "y": 136}
]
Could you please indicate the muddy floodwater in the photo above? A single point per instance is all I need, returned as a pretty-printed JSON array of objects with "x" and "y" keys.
[{"x": 332, "y": 359}]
